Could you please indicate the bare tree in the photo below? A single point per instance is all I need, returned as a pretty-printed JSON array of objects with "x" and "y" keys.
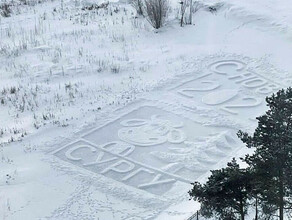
[
  {"x": 156, "y": 12},
  {"x": 194, "y": 7},
  {"x": 183, "y": 8},
  {"x": 191, "y": 12},
  {"x": 138, "y": 5}
]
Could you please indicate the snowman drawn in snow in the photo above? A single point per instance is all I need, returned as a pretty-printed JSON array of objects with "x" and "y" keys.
[{"x": 145, "y": 133}]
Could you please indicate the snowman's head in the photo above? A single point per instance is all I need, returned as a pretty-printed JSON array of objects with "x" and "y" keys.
[{"x": 143, "y": 132}]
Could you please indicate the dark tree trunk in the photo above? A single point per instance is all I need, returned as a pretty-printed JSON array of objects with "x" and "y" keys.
[
  {"x": 256, "y": 209},
  {"x": 191, "y": 12},
  {"x": 182, "y": 14},
  {"x": 241, "y": 210},
  {"x": 281, "y": 195}
]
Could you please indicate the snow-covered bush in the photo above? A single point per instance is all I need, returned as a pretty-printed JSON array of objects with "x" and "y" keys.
[{"x": 156, "y": 12}]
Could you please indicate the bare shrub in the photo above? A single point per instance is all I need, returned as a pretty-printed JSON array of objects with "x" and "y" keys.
[
  {"x": 214, "y": 8},
  {"x": 115, "y": 68},
  {"x": 138, "y": 5},
  {"x": 5, "y": 10},
  {"x": 24, "y": 2},
  {"x": 156, "y": 12},
  {"x": 197, "y": 6},
  {"x": 96, "y": 6}
]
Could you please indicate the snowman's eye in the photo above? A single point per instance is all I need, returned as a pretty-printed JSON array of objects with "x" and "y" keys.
[
  {"x": 133, "y": 122},
  {"x": 130, "y": 131}
]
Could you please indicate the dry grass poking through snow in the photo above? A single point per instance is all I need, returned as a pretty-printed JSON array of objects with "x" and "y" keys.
[{"x": 57, "y": 61}]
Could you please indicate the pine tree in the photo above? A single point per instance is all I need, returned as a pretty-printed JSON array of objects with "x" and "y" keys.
[
  {"x": 255, "y": 197},
  {"x": 225, "y": 194},
  {"x": 272, "y": 159}
]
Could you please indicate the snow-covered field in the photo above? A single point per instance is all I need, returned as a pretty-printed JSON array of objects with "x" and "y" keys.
[{"x": 104, "y": 118}]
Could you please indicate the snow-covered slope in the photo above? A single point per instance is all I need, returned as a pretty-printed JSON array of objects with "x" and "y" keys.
[{"x": 268, "y": 13}]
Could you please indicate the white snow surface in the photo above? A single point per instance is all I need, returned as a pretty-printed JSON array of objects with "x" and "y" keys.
[{"x": 104, "y": 118}]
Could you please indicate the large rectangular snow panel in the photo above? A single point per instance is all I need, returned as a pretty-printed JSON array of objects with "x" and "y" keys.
[
  {"x": 157, "y": 136},
  {"x": 150, "y": 149}
]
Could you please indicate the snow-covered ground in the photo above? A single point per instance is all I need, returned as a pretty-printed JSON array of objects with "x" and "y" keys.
[{"x": 103, "y": 118}]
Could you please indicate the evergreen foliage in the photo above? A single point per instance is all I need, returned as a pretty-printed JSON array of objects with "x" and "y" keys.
[
  {"x": 226, "y": 193},
  {"x": 267, "y": 181}
]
